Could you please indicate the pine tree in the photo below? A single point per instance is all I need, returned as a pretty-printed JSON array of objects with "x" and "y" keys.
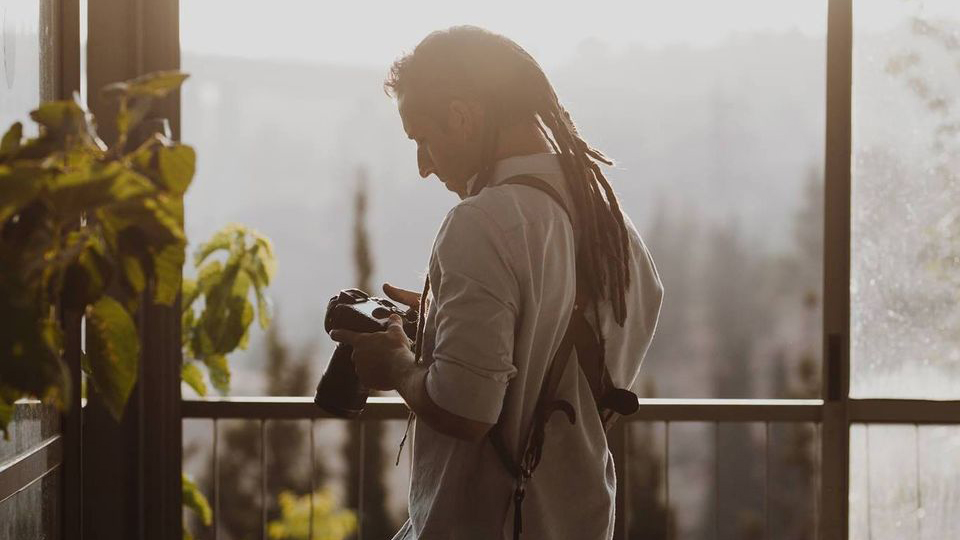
[
  {"x": 375, "y": 521},
  {"x": 735, "y": 317},
  {"x": 793, "y": 447}
]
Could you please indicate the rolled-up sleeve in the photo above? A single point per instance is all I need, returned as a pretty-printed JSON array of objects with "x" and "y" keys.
[{"x": 476, "y": 310}]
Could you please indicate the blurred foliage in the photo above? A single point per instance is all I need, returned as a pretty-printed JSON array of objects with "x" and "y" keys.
[
  {"x": 217, "y": 311},
  {"x": 195, "y": 501},
  {"x": 330, "y": 522},
  {"x": 89, "y": 229}
]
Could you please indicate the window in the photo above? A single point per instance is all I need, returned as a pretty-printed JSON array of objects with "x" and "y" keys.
[
  {"x": 905, "y": 257},
  {"x": 906, "y": 226}
]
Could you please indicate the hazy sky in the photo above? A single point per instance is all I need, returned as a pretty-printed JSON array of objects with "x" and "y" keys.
[{"x": 374, "y": 33}]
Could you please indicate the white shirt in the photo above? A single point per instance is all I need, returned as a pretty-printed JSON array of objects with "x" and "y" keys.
[{"x": 502, "y": 275}]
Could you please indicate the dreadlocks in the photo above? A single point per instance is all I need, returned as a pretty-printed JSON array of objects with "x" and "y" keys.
[{"x": 467, "y": 62}]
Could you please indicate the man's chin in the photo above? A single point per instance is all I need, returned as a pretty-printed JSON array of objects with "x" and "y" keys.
[{"x": 455, "y": 187}]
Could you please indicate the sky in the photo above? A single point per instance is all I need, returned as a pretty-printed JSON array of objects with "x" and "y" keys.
[{"x": 372, "y": 34}]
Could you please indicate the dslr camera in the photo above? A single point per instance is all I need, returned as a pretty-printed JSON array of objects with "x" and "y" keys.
[{"x": 340, "y": 392}]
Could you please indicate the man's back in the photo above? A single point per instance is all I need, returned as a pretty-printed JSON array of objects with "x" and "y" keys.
[{"x": 503, "y": 277}]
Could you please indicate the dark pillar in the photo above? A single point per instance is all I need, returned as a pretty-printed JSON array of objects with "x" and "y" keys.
[{"x": 131, "y": 480}]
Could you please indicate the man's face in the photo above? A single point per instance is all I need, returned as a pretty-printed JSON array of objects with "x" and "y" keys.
[{"x": 447, "y": 144}]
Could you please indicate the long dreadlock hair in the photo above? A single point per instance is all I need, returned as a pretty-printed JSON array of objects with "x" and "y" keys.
[{"x": 468, "y": 62}]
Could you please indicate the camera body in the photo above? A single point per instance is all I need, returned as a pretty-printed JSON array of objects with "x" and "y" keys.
[{"x": 340, "y": 392}]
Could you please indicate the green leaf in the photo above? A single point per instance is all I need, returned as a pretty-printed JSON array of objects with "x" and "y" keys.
[
  {"x": 200, "y": 343},
  {"x": 11, "y": 140},
  {"x": 168, "y": 269},
  {"x": 113, "y": 349},
  {"x": 82, "y": 191},
  {"x": 264, "y": 314},
  {"x": 187, "y": 322},
  {"x": 208, "y": 276},
  {"x": 19, "y": 187},
  {"x": 159, "y": 219},
  {"x": 219, "y": 372},
  {"x": 156, "y": 84},
  {"x": 177, "y": 166},
  {"x": 59, "y": 115},
  {"x": 244, "y": 339},
  {"x": 87, "y": 268},
  {"x": 67, "y": 123},
  {"x": 189, "y": 294},
  {"x": 191, "y": 374},
  {"x": 133, "y": 273},
  {"x": 194, "y": 499},
  {"x": 222, "y": 239}
]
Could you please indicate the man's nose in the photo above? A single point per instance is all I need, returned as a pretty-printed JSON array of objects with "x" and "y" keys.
[{"x": 424, "y": 163}]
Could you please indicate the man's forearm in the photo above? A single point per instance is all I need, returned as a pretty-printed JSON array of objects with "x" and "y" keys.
[{"x": 412, "y": 385}]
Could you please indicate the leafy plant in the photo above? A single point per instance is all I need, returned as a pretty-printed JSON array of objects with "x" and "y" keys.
[
  {"x": 221, "y": 324},
  {"x": 87, "y": 228},
  {"x": 330, "y": 522},
  {"x": 217, "y": 314}
]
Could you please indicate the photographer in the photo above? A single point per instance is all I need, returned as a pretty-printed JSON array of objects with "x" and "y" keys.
[{"x": 535, "y": 262}]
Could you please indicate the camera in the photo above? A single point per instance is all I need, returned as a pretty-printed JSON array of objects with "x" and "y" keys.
[{"x": 339, "y": 391}]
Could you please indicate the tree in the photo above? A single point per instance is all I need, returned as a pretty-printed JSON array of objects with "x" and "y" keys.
[
  {"x": 796, "y": 374},
  {"x": 366, "y": 449},
  {"x": 736, "y": 313}
]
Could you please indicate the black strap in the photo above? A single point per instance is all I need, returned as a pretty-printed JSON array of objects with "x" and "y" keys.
[
  {"x": 578, "y": 335},
  {"x": 536, "y": 183}
]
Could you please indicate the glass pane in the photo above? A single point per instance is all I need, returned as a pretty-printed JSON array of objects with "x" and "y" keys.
[
  {"x": 19, "y": 62},
  {"x": 904, "y": 482},
  {"x": 716, "y": 124},
  {"x": 905, "y": 318}
]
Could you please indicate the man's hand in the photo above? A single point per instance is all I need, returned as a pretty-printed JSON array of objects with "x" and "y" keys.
[
  {"x": 382, "y": 359},
  {"x": 410, "y": 299}
]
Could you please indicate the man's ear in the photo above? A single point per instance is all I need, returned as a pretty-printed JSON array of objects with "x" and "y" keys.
[{"x": 464, "y": 119}]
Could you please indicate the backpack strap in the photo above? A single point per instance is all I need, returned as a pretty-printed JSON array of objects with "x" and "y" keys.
[{"x": 578, "y": 335}]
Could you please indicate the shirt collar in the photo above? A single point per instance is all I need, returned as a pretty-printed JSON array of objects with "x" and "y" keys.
[{"x": 532, "y": 164}]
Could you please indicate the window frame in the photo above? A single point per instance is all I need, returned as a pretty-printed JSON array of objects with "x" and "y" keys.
[{"x": 836, "y": 411}]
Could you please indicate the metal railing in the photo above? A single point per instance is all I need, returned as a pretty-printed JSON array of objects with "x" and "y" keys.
[
  {"x": 665, "y": 411},
  {"x": 31, "y": 465}
]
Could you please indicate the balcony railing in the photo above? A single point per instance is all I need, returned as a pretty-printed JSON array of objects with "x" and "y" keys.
[{"x": 663, "y": 411}]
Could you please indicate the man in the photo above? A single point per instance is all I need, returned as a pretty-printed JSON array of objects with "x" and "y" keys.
[{"x": 508, "y": 267}]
